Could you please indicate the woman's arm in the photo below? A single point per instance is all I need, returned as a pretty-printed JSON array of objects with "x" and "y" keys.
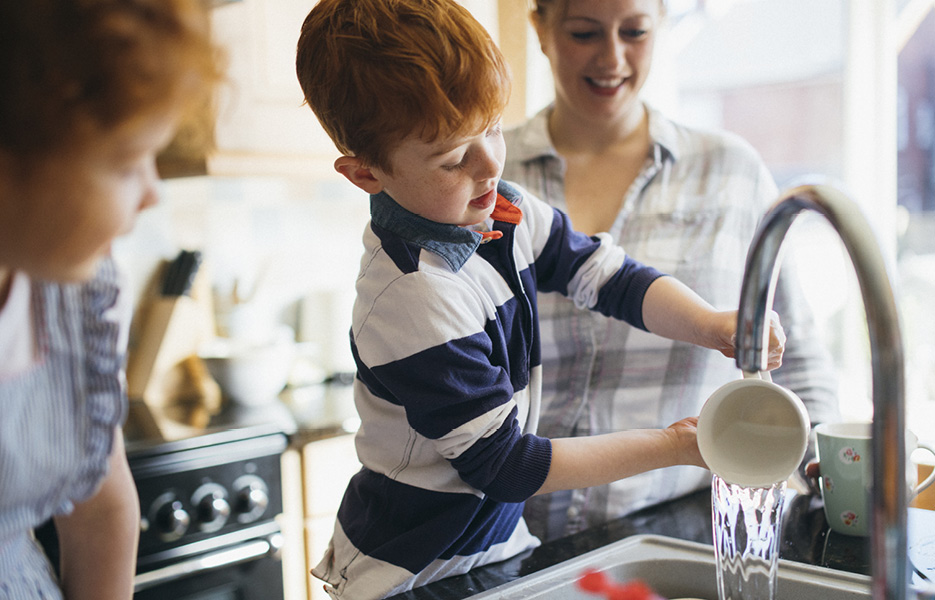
[
  {"x": 98, "y": 540},
  {"x": 580, "y": 462}
]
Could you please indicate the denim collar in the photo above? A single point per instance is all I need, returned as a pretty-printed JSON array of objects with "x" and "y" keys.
[{"x": 453, "y": 243}]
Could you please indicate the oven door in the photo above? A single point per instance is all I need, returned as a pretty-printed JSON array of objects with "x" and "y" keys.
[{"x": 251, "y": 570}]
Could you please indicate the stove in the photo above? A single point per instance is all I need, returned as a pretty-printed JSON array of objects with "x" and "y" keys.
[{"x": 209, "y": 506}]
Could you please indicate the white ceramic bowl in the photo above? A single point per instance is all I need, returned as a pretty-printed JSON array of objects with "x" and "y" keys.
[
  {"x": 753, "y": 432},
  {"x": 249, "y": 374}
]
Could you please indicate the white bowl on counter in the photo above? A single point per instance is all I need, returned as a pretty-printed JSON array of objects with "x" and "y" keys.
[{"x": 250, "y": 373}]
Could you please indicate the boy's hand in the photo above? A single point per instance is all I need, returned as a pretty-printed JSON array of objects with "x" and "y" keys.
[
  {"x": 684, "y": 435},
  {"x": 726, "y": 336},
  {"x": 671, "y": 309}
]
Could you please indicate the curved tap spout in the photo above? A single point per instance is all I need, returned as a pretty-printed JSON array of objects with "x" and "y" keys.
[{"x": 888, "y": 514}]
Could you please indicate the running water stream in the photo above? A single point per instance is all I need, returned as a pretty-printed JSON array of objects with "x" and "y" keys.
[{"x": 747, "y": 524}]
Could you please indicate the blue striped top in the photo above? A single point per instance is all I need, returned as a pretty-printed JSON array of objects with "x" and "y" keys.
[
  {"x": 446, "y": 340},
  {"x": 57, "y": 423}
]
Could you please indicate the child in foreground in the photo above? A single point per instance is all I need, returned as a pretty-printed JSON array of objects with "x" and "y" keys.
[
  {"x": 445, "y": 330},
  {"x": 92, "y": 90}
]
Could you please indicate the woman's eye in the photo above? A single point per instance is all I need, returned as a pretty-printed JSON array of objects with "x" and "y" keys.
[
  {"x": 634, "y": 33},
  {"x": 583, "y": 35}
]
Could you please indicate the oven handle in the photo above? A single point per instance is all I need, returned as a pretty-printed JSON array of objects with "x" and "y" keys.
[{"x": 239, "y": 554}]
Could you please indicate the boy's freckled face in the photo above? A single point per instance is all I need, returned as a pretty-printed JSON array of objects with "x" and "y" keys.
[{"x": 451, "y": 180}]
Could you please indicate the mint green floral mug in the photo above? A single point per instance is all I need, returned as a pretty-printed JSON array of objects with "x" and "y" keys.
[{"x": 844, "y": 454}]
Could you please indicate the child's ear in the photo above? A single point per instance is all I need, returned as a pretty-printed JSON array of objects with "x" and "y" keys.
[{"x": 358, "y": 174}]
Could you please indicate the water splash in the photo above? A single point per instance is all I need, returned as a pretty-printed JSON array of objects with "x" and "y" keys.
[{"x": 746, "y": 539}]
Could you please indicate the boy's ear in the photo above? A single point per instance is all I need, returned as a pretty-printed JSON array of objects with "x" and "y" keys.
[{"x": 358, "y": 174}]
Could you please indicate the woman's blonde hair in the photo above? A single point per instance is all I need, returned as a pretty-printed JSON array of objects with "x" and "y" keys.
[
  {"x": 66, "y": 65},
  {"x": 377, "y": 71}
]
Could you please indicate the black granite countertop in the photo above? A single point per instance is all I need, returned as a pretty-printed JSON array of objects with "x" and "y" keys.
[{"x": 806, "y": 538}]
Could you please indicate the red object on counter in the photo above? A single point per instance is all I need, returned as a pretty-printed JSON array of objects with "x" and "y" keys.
[{"x": 597, "y": 583}]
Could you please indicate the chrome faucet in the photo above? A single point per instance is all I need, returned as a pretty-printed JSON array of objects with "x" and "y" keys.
[{"x": 888, "y": 516}]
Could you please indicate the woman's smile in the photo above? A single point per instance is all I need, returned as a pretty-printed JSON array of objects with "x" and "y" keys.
[{"x": 605, "y": 86}]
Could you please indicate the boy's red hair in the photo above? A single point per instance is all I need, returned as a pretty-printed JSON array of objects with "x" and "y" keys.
[{"x": 377, "y": 71}]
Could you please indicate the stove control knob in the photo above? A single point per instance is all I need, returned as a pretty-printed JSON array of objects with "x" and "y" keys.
[
  {"x": 211, "y": 506},
  {"x": 171, "y": 520},
  {"x": 252, "y": 498}
]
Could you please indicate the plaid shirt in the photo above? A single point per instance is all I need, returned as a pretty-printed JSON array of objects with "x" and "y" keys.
[{"x": 691, "y": 212}]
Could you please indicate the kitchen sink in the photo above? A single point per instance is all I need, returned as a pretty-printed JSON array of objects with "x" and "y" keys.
[{"x": 674, "y": 569}]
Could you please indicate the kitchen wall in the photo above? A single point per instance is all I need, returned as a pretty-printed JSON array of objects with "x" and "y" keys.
[
  {"x": 262, "y": 123},
  {"x": 296, "y": 241}
]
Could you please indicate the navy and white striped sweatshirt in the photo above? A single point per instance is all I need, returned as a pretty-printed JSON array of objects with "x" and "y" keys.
[{"x": 445, "y": 336}]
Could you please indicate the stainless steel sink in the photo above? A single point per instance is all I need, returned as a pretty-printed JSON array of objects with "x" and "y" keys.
[{"x": 674, "y": 569}]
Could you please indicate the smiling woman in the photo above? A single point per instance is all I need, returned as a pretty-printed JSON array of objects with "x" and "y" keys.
[
  {"x": 683, "y": 199},
  {"x": 792, "y": 78}
]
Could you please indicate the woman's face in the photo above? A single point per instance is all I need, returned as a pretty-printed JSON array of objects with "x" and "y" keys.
[
  {"x": 600, "y": 52},
  {"x": 60, "y": 216}
]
